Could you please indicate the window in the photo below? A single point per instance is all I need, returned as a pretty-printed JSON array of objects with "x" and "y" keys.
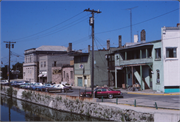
[
  {"x": 41, "y": 64},
  {"x": 44, "y": 63},
  {"x": 158, "y": 53},
  {"x": 54, "y": 63},
  {"x": 103, "y": 89},
  {"x": 171, "y": 52},
  {"x": 71, "y": 74},
  {"x": 117, "y": 57},
  {"x": 158, "y": 76},
  {"x": 64, "y": 74},
  {"x": 84, "y": 58}
]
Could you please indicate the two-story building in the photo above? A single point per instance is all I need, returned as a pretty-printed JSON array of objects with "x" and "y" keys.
[
  {"x": 83, "y": 67},
  {"x": 153, "y": 65}
]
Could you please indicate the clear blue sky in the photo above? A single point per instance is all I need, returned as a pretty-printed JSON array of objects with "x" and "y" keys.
[{"x": 33, "y": 24}]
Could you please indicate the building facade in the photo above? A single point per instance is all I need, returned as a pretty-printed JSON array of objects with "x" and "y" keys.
[
  {"x": 64, "y": 73},
  {"x": 171, "y": 58},
  {"x": 82, "y": 68},
  {"x": 38, "y": 62},
  {"x": 153, "y": 65}
]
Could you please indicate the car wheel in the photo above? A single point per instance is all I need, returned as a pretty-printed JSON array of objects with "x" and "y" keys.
[
  {"x": 65, "y": 90},
  {"x": 110, "y": 96}
]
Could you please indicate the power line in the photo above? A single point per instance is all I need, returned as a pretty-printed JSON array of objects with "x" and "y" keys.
[
  {"x": 139, "y": 22},
  {"x": 50, "y": 27},
  {"x": 55, "y": 31}
]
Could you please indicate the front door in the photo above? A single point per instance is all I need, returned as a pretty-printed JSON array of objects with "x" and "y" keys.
[{"x": 79, "y": 81}]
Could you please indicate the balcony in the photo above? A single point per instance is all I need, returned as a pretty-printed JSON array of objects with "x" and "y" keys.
[{"x": 136, "y": 61}]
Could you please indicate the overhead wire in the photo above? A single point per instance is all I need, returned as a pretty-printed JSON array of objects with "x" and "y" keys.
[
  {"x": 48, "y": 28},
  {"x": 139, "y": 22},
  {"x": 55, "y": 31}
]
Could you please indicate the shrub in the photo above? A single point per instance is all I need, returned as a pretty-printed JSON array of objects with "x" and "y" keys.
[
  {"x": 10, "y": 91},
  {"x": 26, "y": 95}
]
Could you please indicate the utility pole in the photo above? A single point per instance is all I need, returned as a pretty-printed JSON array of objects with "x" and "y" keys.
[
  {"x": 91, "y": 22},
  {"x": 8, "y": 45},
  {"x": 131, "y": 20}
]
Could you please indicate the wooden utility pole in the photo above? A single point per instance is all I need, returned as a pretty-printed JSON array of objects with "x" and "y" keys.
[
  {"x": 91, "y": 22},
  {"x": 8, "y": 45}
]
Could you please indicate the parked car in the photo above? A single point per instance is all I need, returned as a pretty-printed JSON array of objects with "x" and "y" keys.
[
  {"x": 43, "y": 88},
  {"x": 3, "y": 82},
  {"x": 28, "y": 85},
  {"x": 24, "y": 85},
  {"x": 17, "y": 83},
  {"x": 68, "y": 87},
  {"x": 56, "y": 87},
  {"x": 105, "y": 92},
  {"x": 35, "y": 86}
]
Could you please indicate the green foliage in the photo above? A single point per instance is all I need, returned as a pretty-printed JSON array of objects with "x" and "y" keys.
[
  {"x": 26, "y": 95},
  {"x": 15, "y": 92},
  {"x": 10, "y": 91},
  {"x": 77, "y": 101},
  {"x": 59, "y": 98}
]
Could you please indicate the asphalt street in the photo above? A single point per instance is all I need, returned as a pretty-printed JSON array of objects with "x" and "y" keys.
[{"x": 167, "y": 102}]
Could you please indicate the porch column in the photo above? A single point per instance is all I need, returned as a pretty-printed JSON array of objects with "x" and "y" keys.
[
  {"x": 141, "y": 77},
  {"x": 115, "y": 77},
  {"x": 125, "y": 55},
  {"x": 126, "y": 77},
  {"x": 146, "y": 53},
  {"x": 132, "y": 74},
  {"x": 140, "y": 54}
]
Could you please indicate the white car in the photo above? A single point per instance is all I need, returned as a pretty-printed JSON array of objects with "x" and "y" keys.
[{"x": 56, "y": 87}]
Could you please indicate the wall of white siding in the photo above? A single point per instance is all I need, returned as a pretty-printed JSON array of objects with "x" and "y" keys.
[{"x": 171, "y": 38}]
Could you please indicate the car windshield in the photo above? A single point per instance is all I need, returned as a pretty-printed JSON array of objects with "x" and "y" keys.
[
  {"x": 19, "y": 82},
  {"x": 111, "y": 89}
]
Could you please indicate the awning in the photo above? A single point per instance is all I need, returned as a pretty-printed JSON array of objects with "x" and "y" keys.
[{"x": 40, "y": 75}]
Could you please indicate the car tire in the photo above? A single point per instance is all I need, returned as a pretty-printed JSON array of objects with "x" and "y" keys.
[
  {"x": 110, "y": 96},
  {"x": 65, "y": 90}
]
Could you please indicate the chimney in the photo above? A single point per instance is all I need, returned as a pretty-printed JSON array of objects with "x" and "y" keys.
[
  {"x": 70, "y": 47},
  {"x": 88, "y": 48},
  {"x": 135, "y": 38},
  {"x": 108, "y": 44},
  {"x": 143, "y": 35},
  {"x": 120, "y": 41},
  {"x": 178, "y": 24}
]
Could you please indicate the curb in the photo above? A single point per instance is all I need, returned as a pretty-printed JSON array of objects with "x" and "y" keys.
[
  {"x": 153, "y": 93},
  {"x": 159, "y": 108},
  {"x": 149, "y": 107}
]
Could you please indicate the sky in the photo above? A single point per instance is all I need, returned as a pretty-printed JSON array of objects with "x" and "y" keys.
[{"x": 32, "y": 24}]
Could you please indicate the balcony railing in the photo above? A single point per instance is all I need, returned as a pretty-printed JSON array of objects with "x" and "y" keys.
[{"x": 136, "y": 61}]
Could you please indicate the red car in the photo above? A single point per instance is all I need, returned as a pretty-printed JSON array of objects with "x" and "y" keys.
[{"x": 103, "y": 91}]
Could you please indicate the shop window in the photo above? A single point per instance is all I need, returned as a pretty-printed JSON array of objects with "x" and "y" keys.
[{"x": 171, "y": 52}]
